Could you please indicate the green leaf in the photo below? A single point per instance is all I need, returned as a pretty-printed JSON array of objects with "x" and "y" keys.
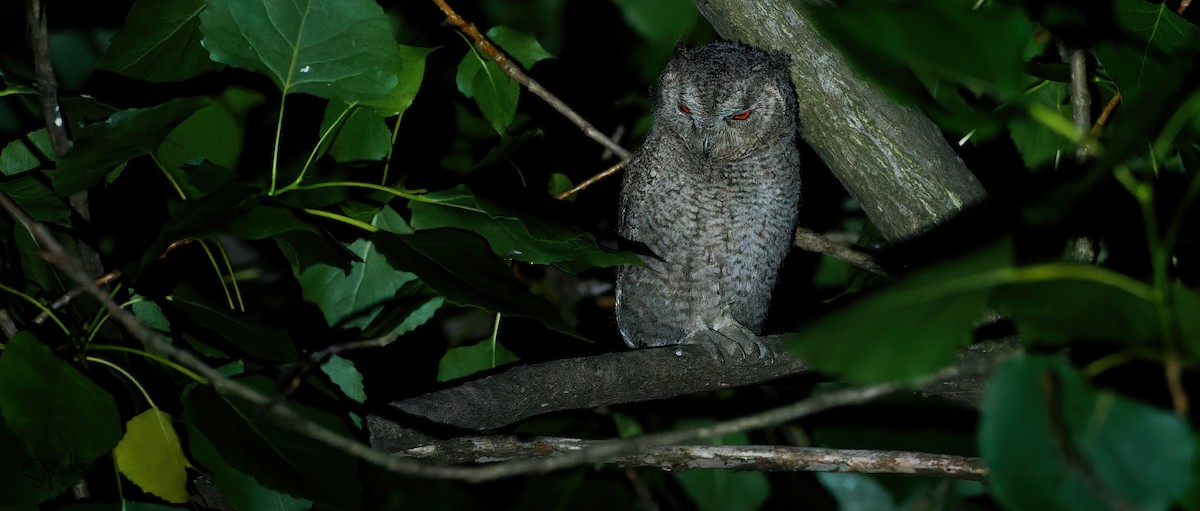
[
  {"x": 150, "y": 456},
  {"x": 16, "y": 485},
  {"x": 159, "y": 43},
  {"x": 715, "y": 489},
  {"x": 559, "y": 183},
  {"x": 345, "y": 376},
  {"x": 57, "y": 412},
  {"x": 857, "y": 492},
  {"x": 399, "y": 318},
  {"x": 36, "y": 199},
  {"x": 276, "y": 456},
  {"x": 1077, "y": 301},
  {"x": 662, "y": 22},
  {"x": 459, "y": 267},
  {"x": 214, "y": 133},
  {"x": 150, "y": 314},
  {"x": 364, "y": 136},
  {"x": 908, "y": 329},
  {"x": 18, "y": 156},
  {"x": 1038, "y": 144},
  {"x": 504, "y": 151},
  {"x": 495, "y": 93},
  {"x": 353, "y": 299},
  {"x": 241, "y": 490},
  {"x": 410, "y": 74},
  {"x": 467, "y": 360},
  {"x": 126, "y": 134},
  {"x": 1161, "y": 33},
  {"x": 232, "y": 329},
  {"x": 519, "y": 45},
  {"x": 1053, "y": 442},
  {"x": 334, "y": 49},
  {"x": 513, "y": 235}
]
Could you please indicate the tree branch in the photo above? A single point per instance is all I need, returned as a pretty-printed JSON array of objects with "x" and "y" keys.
[
  {"x": 893, "y": 159},
  {"x": 763, "y": 458},
  {"x": 514, "y": 71},
  {"x": 813, "y": 242}
]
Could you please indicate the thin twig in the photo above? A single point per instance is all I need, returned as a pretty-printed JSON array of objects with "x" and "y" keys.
[
  {"x": 1183, "y": 7},
  {"x": 590, "y": 181},
  {"x": 7, "y": 326},
  {"x": 814, "y": 242},
  {"x": 765, "y": 458},
  {"x": 1108, "y": 111},
  {"x": 514, "y": 71},
  {"x": 65, "y": 299}
]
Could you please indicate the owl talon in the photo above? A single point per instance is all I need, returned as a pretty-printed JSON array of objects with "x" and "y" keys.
[{"x": 725, "y": 345}]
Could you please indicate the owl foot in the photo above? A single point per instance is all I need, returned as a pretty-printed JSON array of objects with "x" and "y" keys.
[{"x": 734, "y": 342}]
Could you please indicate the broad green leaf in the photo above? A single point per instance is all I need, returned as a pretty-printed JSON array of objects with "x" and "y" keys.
[
  {"x": 36, "y": 199},
  {"x": 276, "y": 456},
  {"x": 663, "y": 21},
  {"x": 150, "y": 456},
  {"x": 229, "y": 328},
  {"x": 495, "y": 93},
  {"x": 150, "y": 313},
  {"x": 519, "y": 45},
  {"x": 480, "y": 78},
  {"x": 125, "y": 135},
  {"x": 363, "y": 135},
  {"x": 19, "y": 156},
  {"x": 559, "y": 183},
  {"x": 981, "y": 49},
  {"x": 1052, "y": 442},
  {"x": 715, "y": 489},
  {"x": 1161, "y": 35},
  {"x": 857, "y": 492},
  {"x": 345, "y": 376},
  {"x": 410, "y": 74},
  {"x": 403, "y": 316},
  {"x": 58, "y": 413},
  {"x": 353, "y": 299},
  {"x": 512, "y": 235},
  {"x": 241, "y": 490},
  {"x": 460, "y": 267},
  {"x": 1038, "y": 144},
  {"x": 506, "y": 148},
  {"x": 908, "y": 329},
  {"x": 16, "y": 485},
  {"x": 334, "y": 49},
  {"x": 1078, "y": 301},
  {"x": 214, "y": 133},
  {"x": 467, "y": 360},
  {"x": 159, "y": 43}
]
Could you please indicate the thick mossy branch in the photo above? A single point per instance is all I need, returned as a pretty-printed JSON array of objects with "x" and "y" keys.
[{"x": 892, "y": 158}]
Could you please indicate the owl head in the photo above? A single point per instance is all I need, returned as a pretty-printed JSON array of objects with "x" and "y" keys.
[{"x": 725, "y": 101}]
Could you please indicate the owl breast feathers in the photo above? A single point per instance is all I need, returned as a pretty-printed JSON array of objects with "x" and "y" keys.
[{"x": 710, "y": 201}]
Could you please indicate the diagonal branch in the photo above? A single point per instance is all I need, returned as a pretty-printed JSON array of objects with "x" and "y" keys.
[{"x": 514, "y": 71}]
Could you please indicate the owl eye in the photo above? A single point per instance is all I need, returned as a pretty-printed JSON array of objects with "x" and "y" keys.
[
  {"x": 684, "y": 108},
  {"x": 740, "y": 116}
]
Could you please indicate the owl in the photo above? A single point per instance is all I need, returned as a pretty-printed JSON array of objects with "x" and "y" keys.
[{"x": 710, "y": 202}]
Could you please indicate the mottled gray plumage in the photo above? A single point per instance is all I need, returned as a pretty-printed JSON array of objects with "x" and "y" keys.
[{"x": 712, "y": 196}]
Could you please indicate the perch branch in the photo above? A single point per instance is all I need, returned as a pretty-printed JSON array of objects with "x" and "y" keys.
[
  {"x": 514, "y": 71},
  {"x": 66, "y": 298},
  {"x": 764, "y": 458}
]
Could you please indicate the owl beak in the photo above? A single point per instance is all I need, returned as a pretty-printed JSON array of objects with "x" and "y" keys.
[{"x": 703, "y": 141}]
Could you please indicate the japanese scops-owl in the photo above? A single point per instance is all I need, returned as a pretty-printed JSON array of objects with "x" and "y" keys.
[{"x": 710, "y": 200}]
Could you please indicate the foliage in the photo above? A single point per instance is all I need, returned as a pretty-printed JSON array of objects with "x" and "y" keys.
[{"x": 275, "y": 177}]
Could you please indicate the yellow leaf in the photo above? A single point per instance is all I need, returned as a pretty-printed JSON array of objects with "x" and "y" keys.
[{"x": 150, "y": 455}]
